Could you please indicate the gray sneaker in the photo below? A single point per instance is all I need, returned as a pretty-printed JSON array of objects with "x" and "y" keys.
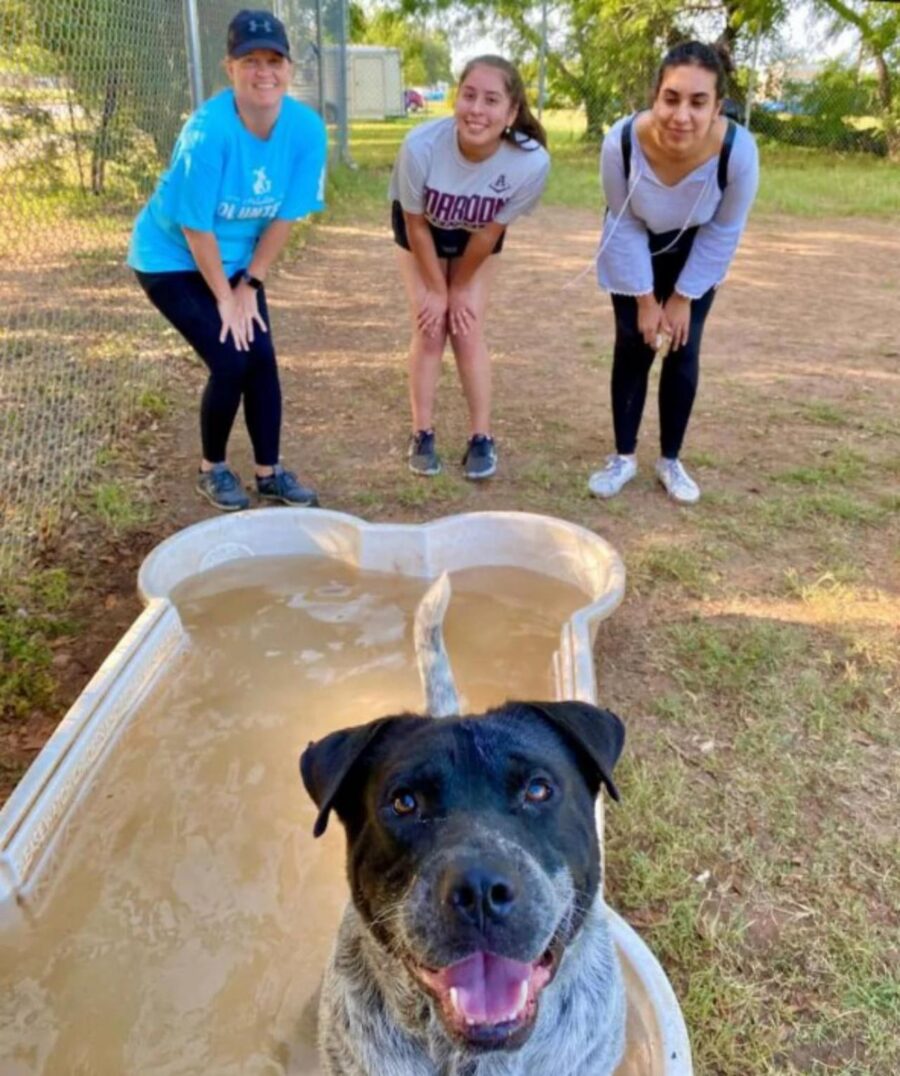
[
  {"x": 284, "y": 487},
  {"x": 679, "y": 484},
  {"x": 618, "y": 471},
  {"x": 422, "y": 457},
  {"x": 222, "y": 488},
  {"x": 480, "y": 460}
]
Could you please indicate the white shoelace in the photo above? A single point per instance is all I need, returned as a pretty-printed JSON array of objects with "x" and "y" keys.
[
  {"x": 677, "y": 477},
  {"x": 616, "y": 464}
]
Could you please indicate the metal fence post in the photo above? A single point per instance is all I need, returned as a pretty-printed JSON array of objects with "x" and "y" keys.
[
  {"x": 751, "y": 80},
  {"x": 320, "y": 61},
  {"x": 192, "y": 47},
  {"x": 542, "y": 61},
  {"x": 343, "y": 95}
]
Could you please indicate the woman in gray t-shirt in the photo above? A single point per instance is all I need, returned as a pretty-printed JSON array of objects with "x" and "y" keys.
[
  {"x": 679, "y": 181},
  {"x": 457, "y": 183}
]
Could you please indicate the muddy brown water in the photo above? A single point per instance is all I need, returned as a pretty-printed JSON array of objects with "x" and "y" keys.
[{"x": 191, "y": 912}]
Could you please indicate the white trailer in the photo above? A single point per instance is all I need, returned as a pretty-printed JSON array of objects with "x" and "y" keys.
[{"x": 374, "y": 81}]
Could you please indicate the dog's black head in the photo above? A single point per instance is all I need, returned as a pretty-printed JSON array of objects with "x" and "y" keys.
[{"x": 472, "y": 848}]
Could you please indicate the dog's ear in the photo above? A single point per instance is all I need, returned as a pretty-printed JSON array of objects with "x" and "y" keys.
[
  {"x": 600, "y": 734},
  {"x": 326, "y": 764}
]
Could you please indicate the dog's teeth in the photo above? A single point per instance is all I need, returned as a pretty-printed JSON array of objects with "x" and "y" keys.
[
  {"x": 454, "y": 998},
  {"x": 523, "y": 995}
]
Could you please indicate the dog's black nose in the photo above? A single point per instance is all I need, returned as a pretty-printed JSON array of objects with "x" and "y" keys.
[{"x": 479, "y": 895}]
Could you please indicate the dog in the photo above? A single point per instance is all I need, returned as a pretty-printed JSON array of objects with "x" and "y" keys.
[{"x": 476, "y": 941}]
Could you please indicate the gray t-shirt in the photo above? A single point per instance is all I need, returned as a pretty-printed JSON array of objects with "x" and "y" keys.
[
  {"x": 645, "y": 204},
  {"x": 432, "y": 177}
]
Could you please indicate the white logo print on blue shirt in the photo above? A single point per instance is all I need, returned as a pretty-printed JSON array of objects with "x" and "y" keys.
[{"x": 261, "y": 182}]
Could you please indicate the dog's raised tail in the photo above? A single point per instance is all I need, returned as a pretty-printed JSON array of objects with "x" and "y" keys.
[{"x": 441, "y": 696}]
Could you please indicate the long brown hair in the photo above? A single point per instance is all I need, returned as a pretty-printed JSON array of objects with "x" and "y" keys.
[{"x": 525, "y": 125}]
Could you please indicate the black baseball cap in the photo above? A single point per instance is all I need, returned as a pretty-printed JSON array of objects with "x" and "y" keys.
[{"x": 250, "y": 30}]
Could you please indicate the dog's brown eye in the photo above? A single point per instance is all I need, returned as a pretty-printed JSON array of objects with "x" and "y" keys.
[
  {"x": 538, "y": 790},
  {"x": 404, "y": 803}
]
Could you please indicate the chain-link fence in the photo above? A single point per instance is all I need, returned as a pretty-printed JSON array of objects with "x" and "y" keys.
[
  {"x": 92, "y": 95},
  {"x": 833, "y": 105}
]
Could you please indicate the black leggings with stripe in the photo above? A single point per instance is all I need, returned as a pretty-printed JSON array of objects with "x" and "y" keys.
[{"x": 632, "y": 358}]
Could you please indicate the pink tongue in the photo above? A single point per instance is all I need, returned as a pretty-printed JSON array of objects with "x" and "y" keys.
[{"x": 488, "y": 988}]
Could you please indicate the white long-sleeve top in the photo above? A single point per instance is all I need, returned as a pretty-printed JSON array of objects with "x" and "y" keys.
[{"x": 624, "y": 266}]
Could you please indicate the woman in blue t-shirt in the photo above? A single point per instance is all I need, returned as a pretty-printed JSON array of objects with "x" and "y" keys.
[{"x": 247, "y": 164}]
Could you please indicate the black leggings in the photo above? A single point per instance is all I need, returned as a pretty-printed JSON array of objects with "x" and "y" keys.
[
  {"x": 632, "y": 358},
  {"x": 184, "y": 299}
]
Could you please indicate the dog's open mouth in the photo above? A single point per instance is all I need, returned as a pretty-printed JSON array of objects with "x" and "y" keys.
[{"x": 490, "y": 1001}]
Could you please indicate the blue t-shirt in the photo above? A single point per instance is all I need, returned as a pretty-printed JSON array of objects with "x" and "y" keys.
[{"x": 225, "y": 180}]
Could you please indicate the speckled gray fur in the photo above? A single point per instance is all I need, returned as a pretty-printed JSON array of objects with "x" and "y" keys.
[{"x": 374, "y": 1020}]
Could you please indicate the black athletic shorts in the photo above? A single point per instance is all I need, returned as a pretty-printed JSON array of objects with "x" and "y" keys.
[{"x": 448, "y": 242}]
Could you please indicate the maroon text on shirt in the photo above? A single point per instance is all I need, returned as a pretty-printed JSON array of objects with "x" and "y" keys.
[{"x": 461, "y": 210}]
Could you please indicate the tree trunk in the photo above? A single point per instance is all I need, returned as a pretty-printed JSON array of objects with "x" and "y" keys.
[
  {"x": 595, "y": 112},
  {"x": 100, "y": 153},
  {"x": 886, "y": 100},
  {"x": 76, "y": 138}
]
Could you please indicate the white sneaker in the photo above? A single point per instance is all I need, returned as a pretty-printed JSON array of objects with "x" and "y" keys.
[
  {"x": 679, "y": 484},
  {"x": 618, "y": 471}
]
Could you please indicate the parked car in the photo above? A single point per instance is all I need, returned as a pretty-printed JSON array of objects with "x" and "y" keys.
[
  {"x": 789, "y": 108},
  {"x": 413, "y": 101}
]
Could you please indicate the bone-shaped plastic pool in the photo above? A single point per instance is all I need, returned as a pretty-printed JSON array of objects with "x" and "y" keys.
[{"x": 163, "y": 907}]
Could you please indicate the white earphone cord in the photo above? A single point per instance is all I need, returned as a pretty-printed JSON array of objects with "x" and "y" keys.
[{"x": 604, "y": 240}]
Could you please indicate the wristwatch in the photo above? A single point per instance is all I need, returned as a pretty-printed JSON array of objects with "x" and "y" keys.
[{"x": 252, "y": 281}]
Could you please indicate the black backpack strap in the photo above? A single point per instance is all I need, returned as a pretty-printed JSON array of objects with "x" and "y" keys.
[
  {"x": 724, "y": 155},
  {"x": 626, "y": 147}
]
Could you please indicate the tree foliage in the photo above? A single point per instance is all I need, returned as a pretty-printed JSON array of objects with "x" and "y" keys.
[
  {"x": 602, "y": 54},
  {"x": 425, "y": 53},
  {"x": 878, "y": 25}
]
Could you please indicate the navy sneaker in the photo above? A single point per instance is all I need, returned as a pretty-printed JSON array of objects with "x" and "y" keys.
[
  {"x": 422, "y": 455},
  {"x": 480, "y": 460},
  {"x": 222, "y": 488},
  {"x": 284, "y": 487}
]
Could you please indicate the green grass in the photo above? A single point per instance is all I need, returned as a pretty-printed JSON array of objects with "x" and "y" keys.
[
  {"x": 154, "y": 403},
  {"x": 842, "y": 466},
  {"x": 32, "y": 615},
  {"x": 417, "y": 492},
  {"x": 657, "y": 565},
  {"x": 353, "y": 193},
  {"x": 747, "y": 853},
  {"x": 813, "y": 508},
  {"x": 824, "y": 414},
  {"x": 828, "y": 589},
  {"x": 832, "y": 494},
  {"x": 814, "y": 183},
  {"x": 117, "y": 504}
]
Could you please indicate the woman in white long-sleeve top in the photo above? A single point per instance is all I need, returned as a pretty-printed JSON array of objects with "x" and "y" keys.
[{"x": 679, "y": 181}]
